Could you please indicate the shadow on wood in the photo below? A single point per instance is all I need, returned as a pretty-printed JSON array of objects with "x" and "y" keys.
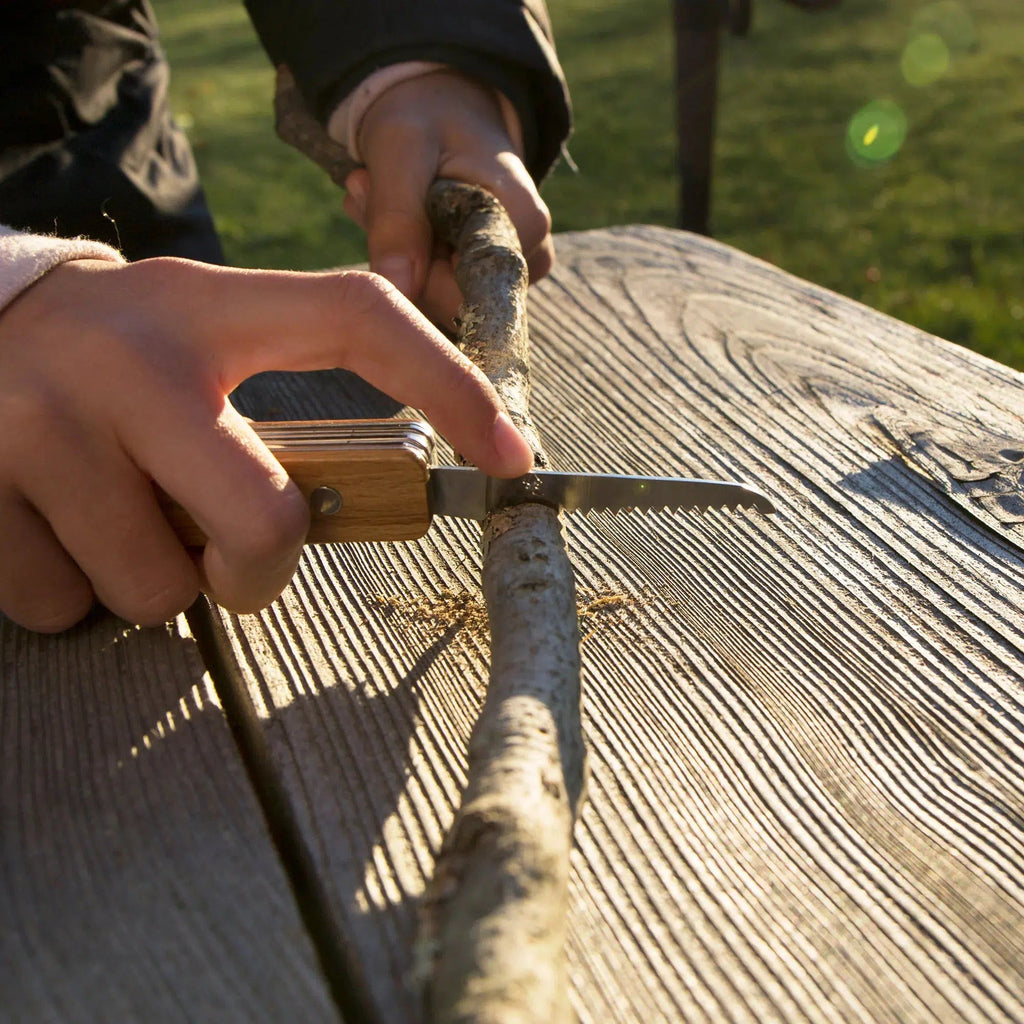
[{"x": 137, "y": 880}]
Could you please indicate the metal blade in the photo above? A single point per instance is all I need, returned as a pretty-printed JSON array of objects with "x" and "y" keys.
[{"x": 469, "y": 494}]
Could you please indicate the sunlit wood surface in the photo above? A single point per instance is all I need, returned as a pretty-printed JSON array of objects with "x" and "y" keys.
[{"x": 806, "y": 731}]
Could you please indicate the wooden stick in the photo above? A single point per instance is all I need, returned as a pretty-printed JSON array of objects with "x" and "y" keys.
[
  {"x": 494, "y": 919},
  {"x": 299, "y": 128},
  {"x": 492, "y": 276}
]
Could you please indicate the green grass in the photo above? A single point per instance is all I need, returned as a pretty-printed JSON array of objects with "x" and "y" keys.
[{"x": 934, "y": 235}]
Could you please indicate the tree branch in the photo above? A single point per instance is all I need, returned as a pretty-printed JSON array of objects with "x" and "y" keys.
[{"x": 494, "y": 919}]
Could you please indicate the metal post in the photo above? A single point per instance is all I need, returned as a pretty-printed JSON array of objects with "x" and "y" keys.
[{"x": 698, "y": 25}]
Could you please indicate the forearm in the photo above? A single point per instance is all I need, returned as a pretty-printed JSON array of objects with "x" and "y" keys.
[{"x": 24, "y": 258}]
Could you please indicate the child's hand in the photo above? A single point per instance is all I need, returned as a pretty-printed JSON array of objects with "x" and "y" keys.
[
  {"x": 439, "y": 125},
  {"x": 114, "y": 377}
]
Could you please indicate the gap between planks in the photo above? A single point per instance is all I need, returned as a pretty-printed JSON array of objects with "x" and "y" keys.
[{"x": 342, "y": 973}]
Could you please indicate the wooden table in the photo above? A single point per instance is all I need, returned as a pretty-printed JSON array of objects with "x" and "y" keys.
[{"x": 806, "y": 730}]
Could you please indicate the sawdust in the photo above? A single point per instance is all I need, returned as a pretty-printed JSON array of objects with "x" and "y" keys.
[
  {"x": 601, "y": 610},
  {"x": 438, "y": 613},
  {"x": 598, "y": 611}
]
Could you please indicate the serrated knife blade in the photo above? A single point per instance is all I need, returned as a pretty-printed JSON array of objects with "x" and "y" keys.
[{"x": 469, "y": 494}]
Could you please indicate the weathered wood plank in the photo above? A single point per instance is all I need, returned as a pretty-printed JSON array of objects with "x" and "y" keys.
[
  {"x": 137, "y": 879},
  {"x": 806, "y": 732}
]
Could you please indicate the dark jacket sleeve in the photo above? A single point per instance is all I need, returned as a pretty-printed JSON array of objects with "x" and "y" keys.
[{"x": 331, "y": 45}]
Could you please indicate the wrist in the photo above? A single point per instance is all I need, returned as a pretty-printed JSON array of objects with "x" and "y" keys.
[
  {"x": 344, "y": 123},
  {"x": 25, "y": 258}
]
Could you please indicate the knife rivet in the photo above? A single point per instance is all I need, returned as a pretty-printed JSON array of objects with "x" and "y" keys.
[{"x": 325, "y": 501}]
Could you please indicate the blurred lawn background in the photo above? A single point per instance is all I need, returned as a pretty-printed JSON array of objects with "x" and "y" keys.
[{"x": 876, "y": 148}]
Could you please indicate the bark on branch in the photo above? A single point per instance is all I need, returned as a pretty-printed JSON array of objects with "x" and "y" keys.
[{"x": 494, "y": 920}]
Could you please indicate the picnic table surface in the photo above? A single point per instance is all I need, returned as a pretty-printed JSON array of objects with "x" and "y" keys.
[{"x": 806, "y": 730}]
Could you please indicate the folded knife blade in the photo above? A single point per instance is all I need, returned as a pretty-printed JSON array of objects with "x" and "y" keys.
[{"x": 373, "y": 480}]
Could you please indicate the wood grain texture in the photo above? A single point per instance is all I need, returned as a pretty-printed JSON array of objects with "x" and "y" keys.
[
  {"x": 806, "y": 731},
  {"x": 137, "y": 879}
]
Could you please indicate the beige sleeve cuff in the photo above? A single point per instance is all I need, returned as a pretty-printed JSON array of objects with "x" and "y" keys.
[{"x": 24, "y": 258}]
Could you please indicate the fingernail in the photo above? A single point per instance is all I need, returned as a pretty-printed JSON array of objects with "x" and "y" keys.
[
  {"x": 398, "y": 270},
  {"x": 513, "y": 451}
]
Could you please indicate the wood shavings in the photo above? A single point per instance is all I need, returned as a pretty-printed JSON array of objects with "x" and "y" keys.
[
  {"x": 598, "y": 611},
  {"x": 437, "y": 613}
]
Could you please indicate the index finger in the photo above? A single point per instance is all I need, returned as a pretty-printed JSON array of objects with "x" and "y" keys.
[{"x": 253, "y": 321}]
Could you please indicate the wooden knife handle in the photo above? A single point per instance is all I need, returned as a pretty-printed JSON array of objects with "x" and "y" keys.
[{"x": 363, "y": 479}]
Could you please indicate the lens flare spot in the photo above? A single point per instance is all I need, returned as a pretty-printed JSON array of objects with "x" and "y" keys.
[
  {"x": 925, "y": 59},
  {"x": 876, "y": 133}
]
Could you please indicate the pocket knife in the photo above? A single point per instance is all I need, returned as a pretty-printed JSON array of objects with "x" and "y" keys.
[{"x": 374, "y": 480}]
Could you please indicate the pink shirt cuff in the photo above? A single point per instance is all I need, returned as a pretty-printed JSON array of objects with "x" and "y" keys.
[{"x": 25, "y": 258}]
